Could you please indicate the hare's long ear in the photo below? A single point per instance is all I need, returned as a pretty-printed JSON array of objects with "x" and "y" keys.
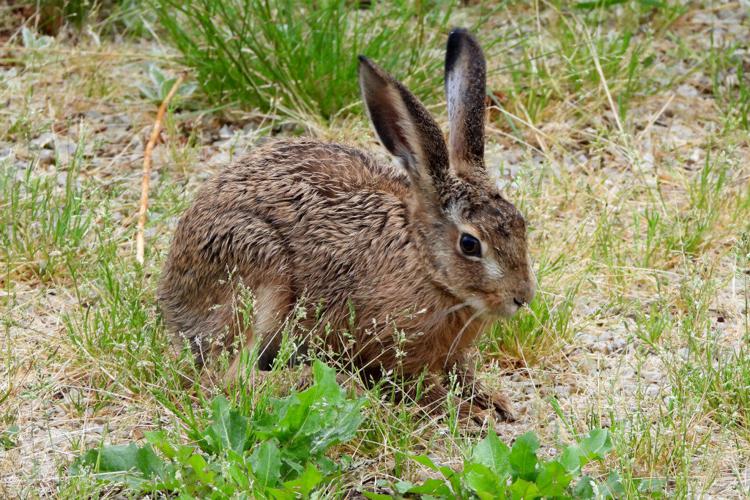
[
  {"x": 405, "y": 127},
  {"x": 465, "y": 88}
]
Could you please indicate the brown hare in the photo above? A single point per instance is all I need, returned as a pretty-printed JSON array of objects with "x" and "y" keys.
[{"x": 412, "y": 259}]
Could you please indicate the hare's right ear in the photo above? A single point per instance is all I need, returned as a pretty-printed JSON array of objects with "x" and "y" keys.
[
  {"x": 405, "y": 127},
  {"x": 465, "y": 88}
]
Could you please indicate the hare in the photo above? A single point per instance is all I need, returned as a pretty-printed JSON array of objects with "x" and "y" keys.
[{"x": 411, "y": 259}]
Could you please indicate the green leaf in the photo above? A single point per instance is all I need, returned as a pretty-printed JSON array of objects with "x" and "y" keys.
[
  {"x": 308, "y": 423},
  {"x": 494, "y": 454},
  {"x": 523, "y": 456},
  {"x": 229, "y": 429},
  {"x": 240, "y": 475},
  {"x": 426, "y": 461},
  {"x": 199, "y": 465},
  {"x": 403, "y": 486},
  {"x": 266, "y": 463},
  {"x": 613, "y": 487},
  {"x": 483, "y": 481},
  {"x": 651, "y": 485},
  {"x": 572, "y": 458},
  {"x": 148, "y": 463},
  {"x": 124, "y": 458},
  {"x": 596, "y": 445},
  {"x": 584, "y": 488},
  {"x": 523, "y": 490},
  {"x": 306, "y": 482},
  {"x": 552, "y": 479},
  {"x": 433, "y": 487},
  {"x": 159, "y": 440}
]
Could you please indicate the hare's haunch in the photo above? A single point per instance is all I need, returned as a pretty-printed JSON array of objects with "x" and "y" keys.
[{"x": 411, "y": 259}]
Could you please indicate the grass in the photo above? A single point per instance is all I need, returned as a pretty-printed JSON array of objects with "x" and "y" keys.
[
  {"x": 44, "y": 224},
  {"x": 638, "y": 233},
  {"x": 299, "y": 58}
]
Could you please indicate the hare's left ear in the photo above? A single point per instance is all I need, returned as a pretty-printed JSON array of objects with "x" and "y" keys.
[{"x": 465, "y": 88}]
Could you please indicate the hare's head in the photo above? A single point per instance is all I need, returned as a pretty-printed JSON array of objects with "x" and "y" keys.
[{"x": 475, "y": 240}]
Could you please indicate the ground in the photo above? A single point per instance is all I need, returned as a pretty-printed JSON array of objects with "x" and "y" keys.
[{"x": 629, "y": 156}]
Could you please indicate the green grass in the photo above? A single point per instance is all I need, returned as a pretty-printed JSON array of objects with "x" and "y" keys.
[
  {"x": 300, "y": 58},
  {"x": 43, "y": 219}
]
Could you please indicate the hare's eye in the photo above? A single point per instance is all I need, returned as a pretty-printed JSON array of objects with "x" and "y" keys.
[{"x": 470, "y": 246}]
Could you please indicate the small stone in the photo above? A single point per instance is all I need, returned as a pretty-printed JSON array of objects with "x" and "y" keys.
[
  {"x": 585, "y": 339},
  {"x": 6, "y": 154},
  {"x": 226, "y": 132},
  {"x": 686, "y": 90},
  {"x": 602, "y": 347},
  {"x": 563, "y": 390},
  {"x": 46, "y": 157},
  {"x": 44, "y": 141},
  {"x": 618, "y": 344}
]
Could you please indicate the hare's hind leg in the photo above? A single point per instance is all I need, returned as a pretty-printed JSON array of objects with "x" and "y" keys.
[{"x": 272, "y": 304}]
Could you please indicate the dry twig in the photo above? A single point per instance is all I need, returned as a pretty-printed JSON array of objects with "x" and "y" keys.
[{"x": 139, "y": 237}]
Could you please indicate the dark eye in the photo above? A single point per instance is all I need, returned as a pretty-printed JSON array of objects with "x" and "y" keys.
[{"x": 470, "y": 245}]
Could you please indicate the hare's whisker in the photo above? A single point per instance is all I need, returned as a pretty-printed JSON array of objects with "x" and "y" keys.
[{"x": 474, "y": 316}]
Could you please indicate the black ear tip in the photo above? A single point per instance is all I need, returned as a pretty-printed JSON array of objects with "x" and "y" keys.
[
  {"x": 362, "y": 58},
  {"x": 456, "y": 32},
  {"x": 455, "y": 38}
]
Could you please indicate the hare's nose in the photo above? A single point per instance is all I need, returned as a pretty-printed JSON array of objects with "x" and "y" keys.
[{"x": 525, "y": 294}]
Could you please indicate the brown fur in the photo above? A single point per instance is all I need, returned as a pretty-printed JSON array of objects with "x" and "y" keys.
[{"x": 329, "y": 224}]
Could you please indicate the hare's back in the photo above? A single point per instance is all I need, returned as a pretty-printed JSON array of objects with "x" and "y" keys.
[
  {"x": 327, "y": 169},
  {"x": 311, "y": 196}
]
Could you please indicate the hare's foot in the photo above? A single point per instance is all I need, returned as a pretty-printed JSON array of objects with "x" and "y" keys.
[
  {"x": 435, "y": 399},
  {"x": 496, "y": 402},
  {"x": 483, "y": 399}
]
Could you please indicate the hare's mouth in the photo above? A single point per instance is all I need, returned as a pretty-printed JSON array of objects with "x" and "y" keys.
[{"x": 494, "y": 309}]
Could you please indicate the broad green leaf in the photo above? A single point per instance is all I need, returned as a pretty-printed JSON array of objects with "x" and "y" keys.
[
  {"x": 452, "y": 477},
  {"x": 306, "y": 482},
  {"x": 278, "y": 494},
  {"x": 651, "y": 485},
  {"x": 239, "y": 473},
  {"x": 494, "y": 454},
  {"x": 403, "y": 486},
  {"x": 266, "y": 463},
  {"x": 229, "y": 429},
  {"x": 596, "y": 445},
  {"x": 584, "y": 488},
  {"x": 376, "y": 496},
  {"x": 572, "y": 458},
  {"x": 483, "y": 481},
  {"x": 612, "y": 488},
  {"x": 552, "y": 479},
  {"x": 433, "y": 487},
  {"x": 139, "y": 468},
  {"x": 426, "y": 461},
  {"x": 124, "y": 458},
  {"x": 523, "y": 456},
  {"x": 523, "y": 490},
  {"x": 201, "y": 469},
  {"x": 118, "y": 458},
  {"x": 159, "y": 440},
  {"x": 148, "y": 463}
]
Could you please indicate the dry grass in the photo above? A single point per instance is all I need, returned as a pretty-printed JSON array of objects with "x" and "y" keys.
[{"x": 633, "y": 172}]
